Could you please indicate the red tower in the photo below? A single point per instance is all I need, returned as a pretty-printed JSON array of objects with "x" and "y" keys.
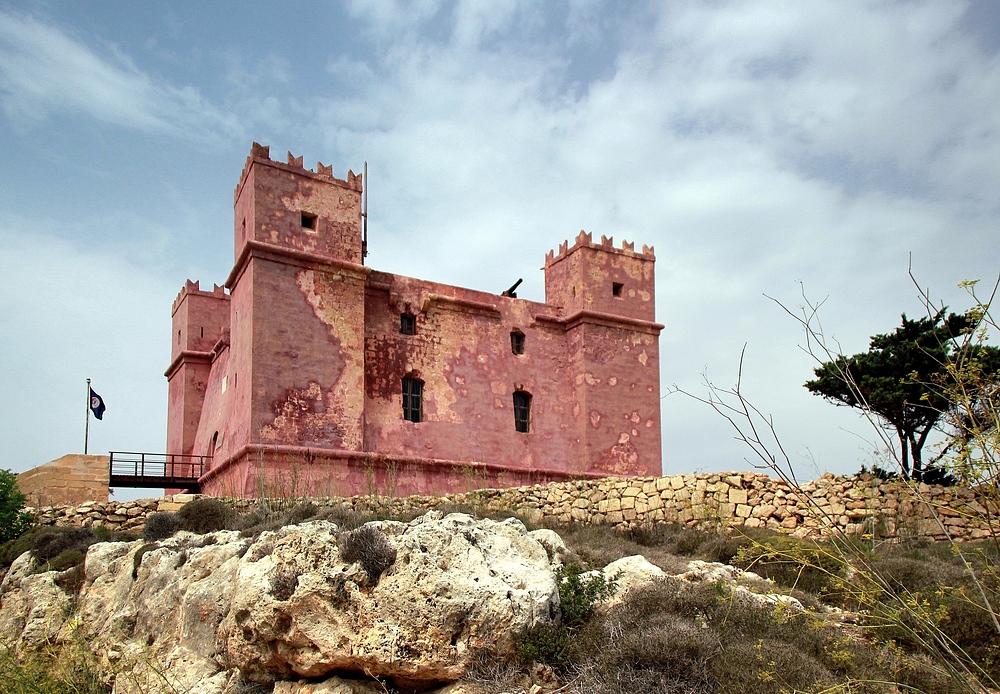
[{"x": 317, "y": 375}]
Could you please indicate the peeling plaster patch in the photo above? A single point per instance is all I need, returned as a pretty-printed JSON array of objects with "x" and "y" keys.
[
  {"x": 649, "y": 423},
  {"x": 314, "y": 293},
  {"x": 635, "y": 418},
  {"x": 644, "y": 295},
  {"x": 613, "y": 381},
  {"x": 623, "y": 458},
  {"x": 643, "y": 358},
  {"x": 303, "y": 414},
  {"x": 595, "y": 419}
]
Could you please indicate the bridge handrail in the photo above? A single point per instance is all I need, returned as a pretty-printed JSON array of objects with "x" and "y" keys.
[{"x": 167, "y": 465}]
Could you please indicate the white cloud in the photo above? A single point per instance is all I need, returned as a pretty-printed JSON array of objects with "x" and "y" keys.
[
  {"x": 43, "y": 71},
  {"x": 68, "y": 314},
  {"x": 755, "y": 143}
]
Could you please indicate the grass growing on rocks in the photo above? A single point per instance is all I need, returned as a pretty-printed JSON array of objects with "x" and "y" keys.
[{"x": 66, "y": 670}]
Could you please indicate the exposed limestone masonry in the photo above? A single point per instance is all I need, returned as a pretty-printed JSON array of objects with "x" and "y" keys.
[{"x": 855, "y": 505}]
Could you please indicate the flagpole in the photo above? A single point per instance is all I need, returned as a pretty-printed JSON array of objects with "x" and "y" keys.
[{"x": 86, "y": 429}]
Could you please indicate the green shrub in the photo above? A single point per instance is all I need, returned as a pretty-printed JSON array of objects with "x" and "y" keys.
[
  {"x": 65, "y": 560},
  {"x": 579, "y": 595},
  {"x": 51, "y": 541},
  {"x": 12, "y": 549},
  {"x": 160, "y": 526},
  {"x": 14, "y": 520},
  {"x": 544, "y": 643},
  {"x": 368, "y": 546},
  {"x": 205, "y": 515},
  {"x": 578, "y": 598}
]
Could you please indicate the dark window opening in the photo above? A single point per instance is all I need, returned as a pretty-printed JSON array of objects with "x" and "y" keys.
[
  {"x": 413, "y": 395},
  {"x": 407, "y": 324},
  {"x": 522, "y": 411},
  {"x": 243, "y": 230},
  {"x": 517, "y": 342},
  {"x": 178, "y": 337},
  {"x": 213, "y": 444},
  {"x": 308, "y": 221},
  {"x": 202, "y": 332},
  {"x": 616, "y": 288}
]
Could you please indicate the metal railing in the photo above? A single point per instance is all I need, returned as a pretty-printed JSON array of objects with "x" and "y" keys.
[{"x": 127, "y": 469}]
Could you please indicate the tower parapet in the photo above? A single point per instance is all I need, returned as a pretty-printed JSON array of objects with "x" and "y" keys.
[
  {"x": 598, "y": 277},
  {"x": 286, "y": 206},
  {"x": 586, "y": 239}
]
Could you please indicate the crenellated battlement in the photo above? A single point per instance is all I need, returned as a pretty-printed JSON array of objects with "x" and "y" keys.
[
  {"x": 262, "y": 153},
  {"x": 585, "y": 239},
  {"x": 195, "y": 288}
]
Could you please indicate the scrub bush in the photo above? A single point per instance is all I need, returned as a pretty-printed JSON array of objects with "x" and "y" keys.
[{"x": 368, "y": 546}]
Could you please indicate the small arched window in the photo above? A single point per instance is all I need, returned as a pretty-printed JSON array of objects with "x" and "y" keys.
[
  {"x": 522, "y": 411},
  {"x": 413, "y": 397}
]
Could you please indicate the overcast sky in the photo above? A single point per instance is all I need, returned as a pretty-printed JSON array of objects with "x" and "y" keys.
[{"x": 757, "y": 144}]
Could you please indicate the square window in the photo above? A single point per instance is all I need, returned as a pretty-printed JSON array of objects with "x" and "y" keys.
[
  {"x": 308, "y": 221},
  {"x": 617, "y": 288},
  {"x": 407, "y": 324}
]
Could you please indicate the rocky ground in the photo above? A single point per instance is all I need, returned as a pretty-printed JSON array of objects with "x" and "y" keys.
[{"x": 443, "y": 603}]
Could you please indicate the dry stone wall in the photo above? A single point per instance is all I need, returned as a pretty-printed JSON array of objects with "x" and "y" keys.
[{"x": 854, "y": 505}]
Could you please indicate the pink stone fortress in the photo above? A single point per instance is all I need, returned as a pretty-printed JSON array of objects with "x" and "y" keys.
[{"x": 315, "y": 374}]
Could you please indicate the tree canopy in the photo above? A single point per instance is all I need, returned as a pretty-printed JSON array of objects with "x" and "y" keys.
[
  {"x": 895, "y": 378},
  {"x": 14, "y": 521}
]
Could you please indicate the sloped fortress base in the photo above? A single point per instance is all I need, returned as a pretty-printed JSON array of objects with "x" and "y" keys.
[
  {"x": 309, "y": 369},
  {"x": 72, "y": 479}
]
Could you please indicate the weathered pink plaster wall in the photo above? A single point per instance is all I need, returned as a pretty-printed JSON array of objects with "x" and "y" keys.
[
  {"x": 200, "y": 319},
  {"x": 301, "y": 390}
]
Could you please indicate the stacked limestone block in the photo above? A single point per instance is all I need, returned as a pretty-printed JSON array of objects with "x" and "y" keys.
[{"x": 853, "y": 505}]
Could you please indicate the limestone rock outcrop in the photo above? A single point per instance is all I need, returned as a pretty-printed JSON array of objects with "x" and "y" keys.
[{"x": 195, "y": 612}]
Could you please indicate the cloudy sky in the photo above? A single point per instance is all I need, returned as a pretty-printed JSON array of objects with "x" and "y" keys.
[{"x": 762, "y": 147}]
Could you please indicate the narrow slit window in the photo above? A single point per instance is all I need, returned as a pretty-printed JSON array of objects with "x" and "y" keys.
[
  {"x": 308, "y": 221},
  {"x": 202, "y": 332},
  {"x": 413, "y": 396},
  {"x": 617, "y": 288},
  {"x": 517, "y": 342},
  {"x": 522, "y": 411},
  {"x": 407, "y": 324}
]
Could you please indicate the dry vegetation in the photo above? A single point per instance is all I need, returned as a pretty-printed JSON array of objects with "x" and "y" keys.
[{"x": 671, "y": 636}]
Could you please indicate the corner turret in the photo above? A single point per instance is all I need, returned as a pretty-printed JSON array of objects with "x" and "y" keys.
[
  {"x": 290, "y": 207},
  {"x": 601, "y": 278}
]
